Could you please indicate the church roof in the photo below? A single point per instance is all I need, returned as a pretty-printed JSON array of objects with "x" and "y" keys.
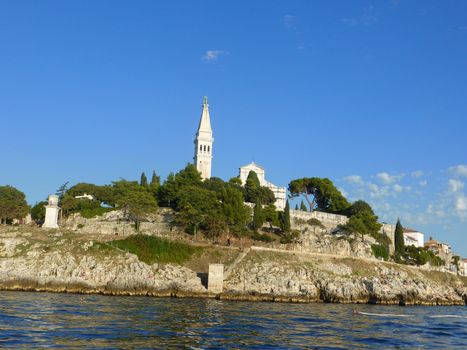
[
  {"x": 252, "y": 165},
  {"x": 205, "y": 121}
]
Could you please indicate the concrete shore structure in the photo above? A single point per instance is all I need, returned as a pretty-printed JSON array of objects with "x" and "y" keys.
[{"x": 216, "y": 278}]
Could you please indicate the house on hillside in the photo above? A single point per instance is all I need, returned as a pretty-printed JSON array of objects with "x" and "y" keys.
[
  {"x": 462, "y": 267},
  {"x": 443, "y": 250},
  {"x": 437, "y": 247},
  {"x": 413, "y": 237}
]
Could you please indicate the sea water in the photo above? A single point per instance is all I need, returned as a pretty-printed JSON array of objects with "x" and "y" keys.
[{"x": 52, "y": 320}]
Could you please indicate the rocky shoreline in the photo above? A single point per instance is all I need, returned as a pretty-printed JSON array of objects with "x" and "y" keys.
[{"x": 53, "y": 263}]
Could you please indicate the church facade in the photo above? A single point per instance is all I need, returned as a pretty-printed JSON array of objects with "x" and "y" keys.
[
  {"x": 280, "y": 193},
  {"x": 203, "y": 158}
]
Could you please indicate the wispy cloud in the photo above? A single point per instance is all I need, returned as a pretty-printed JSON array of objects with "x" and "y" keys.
[
  {"x": 455, "y": 186},
  {"x": 354, "y": 179},
  {"x": 420, "y": 199},
  {"x": 416, "y": 174},
  {"x": 461, "y": 205},
  {"x": 213, "y": 55},
  {"x": 387, "y": 178},
  {"x": 367, "y": 17},
  {"x": 290, "y": 21},
  {"x": 459, "y": 170}
]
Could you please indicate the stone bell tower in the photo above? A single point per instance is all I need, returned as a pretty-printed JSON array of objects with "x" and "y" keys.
[{"x": 203, "y": 143}]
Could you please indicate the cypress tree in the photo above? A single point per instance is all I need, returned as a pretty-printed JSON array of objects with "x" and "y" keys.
[
  {"x": 303, "y": 206},
  {"x": 155, "y": 180},
  {"x": 144, "y": 180},
  {"x": 399, "y": 238},
  {"x": 296, "y": 206},
  {"x": 285, "y": 222},
  {"x": 258, "y": 216}
]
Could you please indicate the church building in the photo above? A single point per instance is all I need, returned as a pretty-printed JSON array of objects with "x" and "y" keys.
[{"x": 279, "y": 192}]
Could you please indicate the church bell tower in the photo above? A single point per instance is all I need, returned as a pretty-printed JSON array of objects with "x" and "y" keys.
[{"x": 203, "y": 143}]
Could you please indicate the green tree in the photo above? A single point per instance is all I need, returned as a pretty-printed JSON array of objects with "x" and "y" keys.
[
  {"x": 38, "y": 212},
  {"x": 362, "y": 220},
  {"x": 399, "y": 238},
  {"x": 356, "y": 225},
  {"x": 62, "y": 190},
  {"x": 235, "y": 181},
  {"x": 235, "y": 212},
  {"x": 135, "y": 201},
  {"x": 285, "y": 218},
  {"x": 255, "y": 193},
  {"x": 296, "y": 206},
  {"x": 271, "y": 216},
  {"x": 324, "y": 195},
  {"x": 194, "y": 208},
  {"x": 170, "y": 191},
  {"x": 303, "y": 206},
  {"x": 144, "y": 180},
  {"x": 258, "y": 217},
  {"x": 215, "y": 184},
  {"x": 13, "y": 204},
  {"x": 155, "y": 180}
]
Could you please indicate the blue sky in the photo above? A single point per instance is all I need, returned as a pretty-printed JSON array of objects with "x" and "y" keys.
[{"x": 372, "y": 94}]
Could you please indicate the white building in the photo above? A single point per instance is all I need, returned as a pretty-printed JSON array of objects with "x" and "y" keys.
[
  {"x": 51, "y": 212},
  {"x": 413, "y": 237},
  {"x": 203, "y": 143},
  {"x": 279, "y": 192},
  {"x": 463, "y": 267},
  {"x": 85, "y": 196}
]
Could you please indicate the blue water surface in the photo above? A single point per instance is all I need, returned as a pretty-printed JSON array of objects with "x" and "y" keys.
[{"x": 49, "y": 320}]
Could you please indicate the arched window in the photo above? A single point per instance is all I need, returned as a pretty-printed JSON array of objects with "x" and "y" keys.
[
  {"x": 204, "y": 148},
  {"x": 209, "y": 149},
  {"x": 200, "y": 148}
]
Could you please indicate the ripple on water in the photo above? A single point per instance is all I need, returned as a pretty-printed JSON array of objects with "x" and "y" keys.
[{"x": 41, "y": 320}]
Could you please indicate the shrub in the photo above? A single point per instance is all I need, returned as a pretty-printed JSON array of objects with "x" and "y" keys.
[
  {"x": 420, "y": 256},
  {"x": 150, "y": 249},
  {"x": 290, "y": 237},
  {"x": 80, "y": 226},
  {"x": 315, "y": 222},
  {"x": 90, "y": 213},
  {"x": 260, "y": 237},
  {"x": 380, "y": 251}
]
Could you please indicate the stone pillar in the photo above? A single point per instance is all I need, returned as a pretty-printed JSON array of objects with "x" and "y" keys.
[
  {"x": 51, "y": 212},
  {"x": 216, "y": 278}
]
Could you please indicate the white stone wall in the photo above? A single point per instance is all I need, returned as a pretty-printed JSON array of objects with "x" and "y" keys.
[{"x": 330, "y": 221}]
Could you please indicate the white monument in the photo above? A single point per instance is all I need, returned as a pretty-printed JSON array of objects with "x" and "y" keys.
[
  {"x": 280, "y": 193},
  {"x": 203, "y": 143},
  {"x": 51, "y": 212}
]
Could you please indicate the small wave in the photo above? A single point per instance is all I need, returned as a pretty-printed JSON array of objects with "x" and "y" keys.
[
  {"x": 380, "y": 315},
  {"x": 447, "y": 316}
]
